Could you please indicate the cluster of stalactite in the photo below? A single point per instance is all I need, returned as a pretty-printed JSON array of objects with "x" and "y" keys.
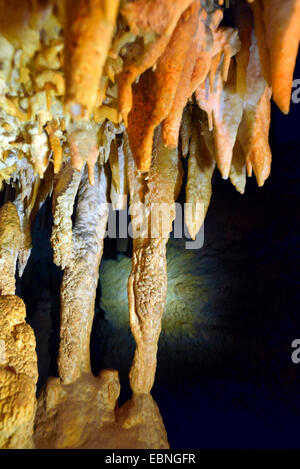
[{"x": 102, "y": 99}]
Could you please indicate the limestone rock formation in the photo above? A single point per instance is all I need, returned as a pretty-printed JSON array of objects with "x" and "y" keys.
[
  {"x": 84, "y": 414},
  {"x": 78, "y": 289},
  {"x": 18, "y": 360},
  {"x": 101, "y": 99},
  {"x": 10, "y": 242}
]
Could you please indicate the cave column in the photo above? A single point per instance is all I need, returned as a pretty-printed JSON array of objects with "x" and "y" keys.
[
  {"x": 152, "y": 208},
  {"x": 80, "y": 279}
]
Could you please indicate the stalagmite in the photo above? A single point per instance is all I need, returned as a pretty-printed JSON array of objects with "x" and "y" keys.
[
  {"x": 18, "y": 360},
  {"x": 78, "y": 289}
]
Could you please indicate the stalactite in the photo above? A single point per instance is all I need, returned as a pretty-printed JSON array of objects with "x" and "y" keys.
[
  {"x": 119, "y": 184},
  {"x": 147, "y": 284},
  {"x": 198, "y": 187},
  {"x": 282, "y": 22},
  {"x": 88, "y": 33},
  {"x": 238, "y": 174},
  {"x": 154, "y": 106},
  {"x": 65, "y": 189},
  {"x": 171, "y": 12}
]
